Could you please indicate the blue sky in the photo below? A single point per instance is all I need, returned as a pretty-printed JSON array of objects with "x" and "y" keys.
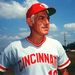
[{"x": 13, "y": 25}]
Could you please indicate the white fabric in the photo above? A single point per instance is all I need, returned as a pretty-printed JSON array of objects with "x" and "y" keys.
[{"x": 27, "y": 59}]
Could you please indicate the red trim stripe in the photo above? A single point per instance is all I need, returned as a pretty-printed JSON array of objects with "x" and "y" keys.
[
  {"x": 64, "y": 63},
  {"x": 36, "y": 44},
  {"x": 3, "y": 68}
]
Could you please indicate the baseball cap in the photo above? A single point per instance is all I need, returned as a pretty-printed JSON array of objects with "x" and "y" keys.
[{"x": 38, "y": 7}]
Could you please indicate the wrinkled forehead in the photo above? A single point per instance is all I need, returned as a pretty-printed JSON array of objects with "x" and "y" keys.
[{"x": 42, "y": 13}]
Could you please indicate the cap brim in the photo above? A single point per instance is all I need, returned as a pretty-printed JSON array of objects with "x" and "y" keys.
[{"x": 51, "y": 11}]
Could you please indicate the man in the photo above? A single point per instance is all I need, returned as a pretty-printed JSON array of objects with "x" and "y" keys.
[{"x": 36, "y": 54}]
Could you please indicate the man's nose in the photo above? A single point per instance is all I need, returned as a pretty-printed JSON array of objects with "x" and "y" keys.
[{"x": 46, "y": 21}]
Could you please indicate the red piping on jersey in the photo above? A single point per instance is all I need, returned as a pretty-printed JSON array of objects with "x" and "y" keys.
[
  {"x": 36, "y": 44},
  {"x": 3, "y": 68},
  {"x": 64, "y": 63}
]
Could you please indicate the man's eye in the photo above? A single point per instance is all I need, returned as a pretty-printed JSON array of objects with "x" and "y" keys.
[{"x": 41, "y": 17}]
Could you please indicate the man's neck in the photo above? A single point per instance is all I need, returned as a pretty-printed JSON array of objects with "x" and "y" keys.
[{"x": 35, "y": 39}]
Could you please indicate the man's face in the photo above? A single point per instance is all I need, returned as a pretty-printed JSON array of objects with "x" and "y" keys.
[{"x": 41, "y": 23}]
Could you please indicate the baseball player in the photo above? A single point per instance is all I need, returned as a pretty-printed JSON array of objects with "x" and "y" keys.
[{"x": 36, "y": 54}]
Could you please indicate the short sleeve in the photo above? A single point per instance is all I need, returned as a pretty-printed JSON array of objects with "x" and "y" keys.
[
  {"x": 63, "y": 60},
  {"x": 7, "y": 58}
]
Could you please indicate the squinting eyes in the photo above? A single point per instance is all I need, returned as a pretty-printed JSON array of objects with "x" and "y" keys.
[{"x": 43, "y": 17}]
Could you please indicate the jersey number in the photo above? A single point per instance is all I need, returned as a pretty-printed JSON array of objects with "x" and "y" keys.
[{"x": 53, "y": 72}]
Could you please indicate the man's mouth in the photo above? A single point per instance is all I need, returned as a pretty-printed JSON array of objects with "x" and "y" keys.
[{"x": 45, "y": 27}]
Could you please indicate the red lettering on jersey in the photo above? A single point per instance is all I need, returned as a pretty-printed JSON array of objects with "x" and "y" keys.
[
  {"x": 33, "y": 61},
  {"x": 50, "y": 72},
  {"x": 51, "y": 59},
  {"x": 46, "y": 56},
  {"x": 41, "y": 57},
  {"x": 38, "y": 58},
  {"x": 53, "y": 72},
  {"x": 26, "y": 60}
]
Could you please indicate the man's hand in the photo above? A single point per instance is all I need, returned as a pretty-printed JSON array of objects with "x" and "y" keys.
[{"x": 64, "y": 71}]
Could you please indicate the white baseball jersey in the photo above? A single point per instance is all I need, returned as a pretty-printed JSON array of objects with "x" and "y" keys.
[{"x": 28, "y": 59}]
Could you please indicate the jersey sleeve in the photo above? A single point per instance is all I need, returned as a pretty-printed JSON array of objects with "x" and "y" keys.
[
  {"x": 7, "y": 58},
  {"x": 63, "y": 60}
]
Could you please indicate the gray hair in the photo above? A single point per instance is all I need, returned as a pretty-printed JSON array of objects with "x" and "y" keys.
[{"x": 32, "y": 18}]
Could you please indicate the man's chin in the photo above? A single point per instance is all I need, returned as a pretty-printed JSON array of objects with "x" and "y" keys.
[{"x": 45, "y": 33}]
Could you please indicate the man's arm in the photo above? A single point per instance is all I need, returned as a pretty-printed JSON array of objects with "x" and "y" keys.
[{"x": 64, "y": 71}]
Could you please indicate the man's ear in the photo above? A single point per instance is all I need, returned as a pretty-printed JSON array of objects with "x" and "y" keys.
[{"x": 29, "y": 21}]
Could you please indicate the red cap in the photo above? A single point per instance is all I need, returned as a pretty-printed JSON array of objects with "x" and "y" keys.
[{"x": 37, "y": 7}]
